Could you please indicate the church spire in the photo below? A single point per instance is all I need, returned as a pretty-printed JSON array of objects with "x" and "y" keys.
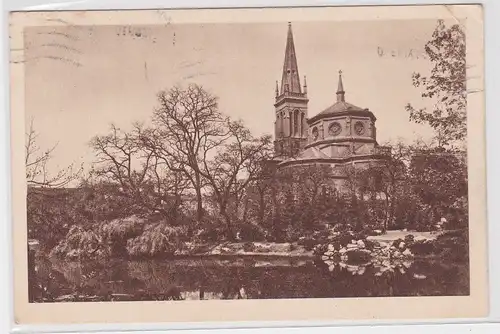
[
  {"x": 290, "y": 81},
  {"x": 340, "y": 89}
]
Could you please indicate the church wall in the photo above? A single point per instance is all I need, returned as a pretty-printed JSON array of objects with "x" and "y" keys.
[
  {"x": 341, "y": 128},
  {"x": 364, "y": 148},
  {"x": 368, "y": 127},
  {"x": 336, "y": 150}
]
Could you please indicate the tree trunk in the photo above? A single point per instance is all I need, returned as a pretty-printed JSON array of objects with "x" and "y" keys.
[
  {"x": 229, "y": 226},
  {"x": 245, "y": 210},
  {"x": 262, "y": 208},
  {"x": 387, "y": 212},
  {"x": 199, "y": 199}
]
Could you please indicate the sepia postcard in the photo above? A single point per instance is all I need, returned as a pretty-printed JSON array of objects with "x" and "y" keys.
[{"x": 266, "y": 164}]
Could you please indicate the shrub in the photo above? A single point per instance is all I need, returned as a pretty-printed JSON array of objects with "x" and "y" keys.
[
  {"x": 80, "y": 243},
  {"x": 208, "y": 234},
  {"x": 116, "y": 233},
  {"x": 397, "y": 242},
  {"x": 319, "y": 250},
  {"x": 341, "y": 228},
  {"x": 159, "y": 240},
  {"x": 343, "y": 239},
  {"x": 422, "y": 247},
  {"x": 293, "y": 233},
  {"x": 370, "y": 245},
  {"x": 251, "y": 232},
  {"x": 453, "y": 245},
  {"x": 409, "y": 239},
  {"x": 308, "y": 243},
  {"x": 248, "y": 247}
]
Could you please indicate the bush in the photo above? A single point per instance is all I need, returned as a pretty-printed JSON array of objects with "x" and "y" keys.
[
  {"x": 319, "y": 250},
  {"x": 397, "y": 242},
  {"x": 80, "y": 243},
  {"x": 343, "y": 239},
  {"x": 251, "y": 232},
  {"x": 118, "y": 231},
  {"x": 209, "y": 234},
  {"x": 370, "y": 245},
  {"x": 422, "y": 247},
  {"x": 293, "y": 233},
  {"x": 308, "y": 243},
  {"x": 248, "y": 247},
  {"x": 159, "y": 240},
  {"x": 410, "y": 238},
  {"x": 453, "y": 245}
]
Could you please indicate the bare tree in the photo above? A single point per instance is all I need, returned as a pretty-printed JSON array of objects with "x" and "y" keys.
[
  {"x": 235, "y": 166},
  {"x": 141, "y": 175},
  {"x": 36, "y": 161},
  {"x": 188, "y": 128}
]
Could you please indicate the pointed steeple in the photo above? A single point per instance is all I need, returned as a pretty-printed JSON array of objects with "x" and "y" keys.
[
  {"x": 290, "y": 81},
  {"x": 340, "y": 89}
]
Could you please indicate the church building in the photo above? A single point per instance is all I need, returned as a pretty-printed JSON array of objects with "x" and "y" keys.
[{"x": 339, "y": 135}]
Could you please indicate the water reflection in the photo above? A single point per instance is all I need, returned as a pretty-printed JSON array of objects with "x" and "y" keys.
[{"x": 196, "y": 279}]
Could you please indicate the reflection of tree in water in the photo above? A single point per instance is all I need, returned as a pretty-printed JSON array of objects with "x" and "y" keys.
[
  {"x": 45, "y": 284},
  {"x": 422, "y": 278},
  {"x": 204, "y": 279}
]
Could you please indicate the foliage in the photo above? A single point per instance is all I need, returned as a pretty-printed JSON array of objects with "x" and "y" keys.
[
  {"x": 137, "y": 199},
  {"x": 445, "y": 86},
  {"x": 52, "y": 212},
  {"x": 49, "y": 215},
  {"x": 454, "y": 246},
  {"x": 98, "y": 240},
  {"x": 450, "y": 245},
  {"x": 117, "y": 232},
  {"x": 157, "y": 240},
  {"x": 79, "y": 244},
  {"x": 251, "y": 232}
]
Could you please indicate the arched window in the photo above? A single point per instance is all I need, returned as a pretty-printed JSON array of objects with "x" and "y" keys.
[
  {"x": 315, "y": 133},
  {"x": 278, "y": 124},
  {"x": 302, "y": 125},
  {"x": 290, "y": 122},
  {"x": 296, "y": 122}
]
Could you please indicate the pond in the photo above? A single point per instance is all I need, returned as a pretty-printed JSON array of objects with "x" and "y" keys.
[{"x": 237, "y": 278}]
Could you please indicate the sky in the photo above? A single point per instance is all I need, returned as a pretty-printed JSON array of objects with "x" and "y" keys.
[{"x": 80, "y": 79}]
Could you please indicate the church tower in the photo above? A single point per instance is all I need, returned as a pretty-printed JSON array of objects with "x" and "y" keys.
[{"x": 290, "y": 106}]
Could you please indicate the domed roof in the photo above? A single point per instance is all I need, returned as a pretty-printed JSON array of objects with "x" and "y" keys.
[{"x": 341, "y": 106}]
